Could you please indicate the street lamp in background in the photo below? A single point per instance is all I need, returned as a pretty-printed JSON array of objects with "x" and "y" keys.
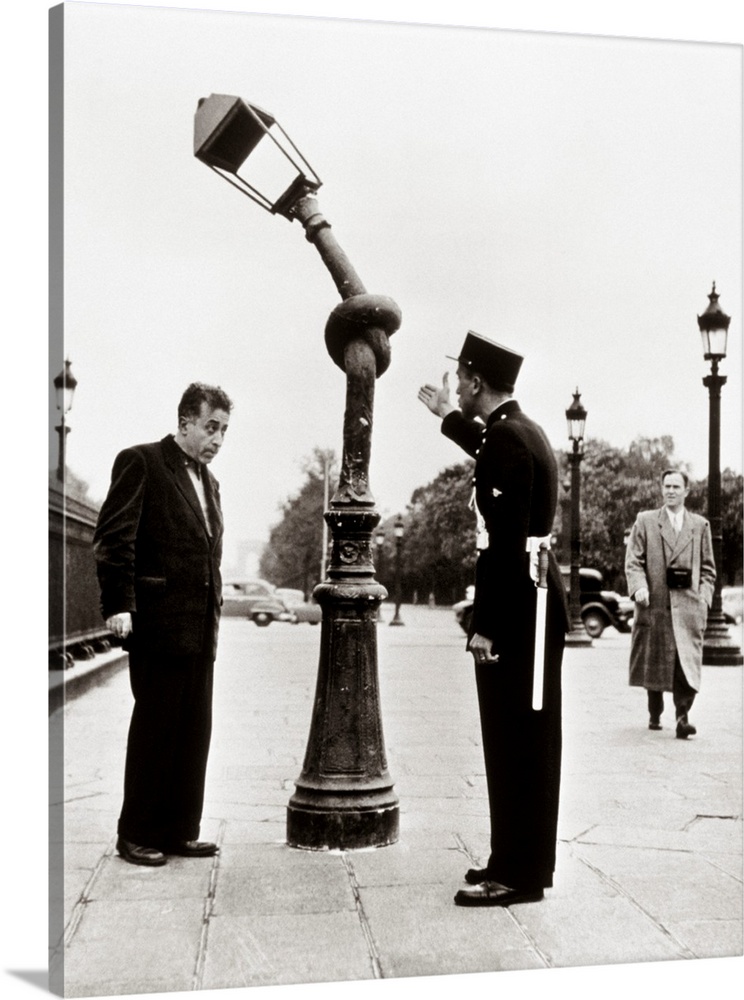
[
  {"x": 324, "y": 534},
  {"x": 719, "y": 649},
  {"x": 344, "y": 797},
  {"x": 398, "y": 531},
  {"x": 64, "y": 387},
  {"x": 379, "y": 542},
  {"x": 576, "y": 418}
]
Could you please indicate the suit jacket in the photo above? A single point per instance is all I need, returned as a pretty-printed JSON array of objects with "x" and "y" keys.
[
  {"x": 675, "y": 620},
  {"x": 155, "y": 557},
  {"x": 516, "y": 490}
]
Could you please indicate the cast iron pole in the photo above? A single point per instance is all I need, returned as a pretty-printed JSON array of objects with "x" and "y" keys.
[
  {"x": 577, "y": 634},
  {"x": 344, "y": 797},
  {"x": 719, "y": 649}
]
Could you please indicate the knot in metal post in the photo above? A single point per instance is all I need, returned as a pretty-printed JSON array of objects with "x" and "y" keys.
[{"x": 371, "y": 318}]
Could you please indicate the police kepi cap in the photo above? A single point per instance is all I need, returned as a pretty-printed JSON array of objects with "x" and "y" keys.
[{"x": 498, "y": 365}]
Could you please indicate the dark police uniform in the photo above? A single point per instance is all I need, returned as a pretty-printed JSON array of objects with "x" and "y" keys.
[{"x": 516, "y": 486}]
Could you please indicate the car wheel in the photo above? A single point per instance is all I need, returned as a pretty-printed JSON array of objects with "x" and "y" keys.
[
  {"x": 262, "y": 618},
  {"x": 594, "y": 623}
]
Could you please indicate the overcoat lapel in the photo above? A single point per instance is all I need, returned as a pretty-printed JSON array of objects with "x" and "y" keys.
[
  {"x": 210, "y": 490},
  {"x": 667, "y": 534},
  {"x": 685, "y": 536}
]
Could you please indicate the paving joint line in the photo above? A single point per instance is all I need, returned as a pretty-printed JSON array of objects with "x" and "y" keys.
[
  {"x": 79, "y": 908},
  {"x": 201, "y": 952},
  {"x": 684, "y": 951},
  {"x": 463, "y": 848},
  {"x": 374, "y": 955},
  {"x": 547, "y": 962}
]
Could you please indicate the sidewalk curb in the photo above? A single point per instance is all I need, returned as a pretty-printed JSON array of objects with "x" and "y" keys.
[{"x": 66, "y": 685}]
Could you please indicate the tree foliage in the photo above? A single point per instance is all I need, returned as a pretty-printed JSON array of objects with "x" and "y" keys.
[
  {"x": 616, "y": 484},
  {"x": 293, "y": 555},
  {"x": 440, "y": 537},
  {"x": 437, "y": 550},
  {"x": 732, "y": 487}
]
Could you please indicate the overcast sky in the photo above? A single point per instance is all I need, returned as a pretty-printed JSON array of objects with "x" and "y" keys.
[{"x": 572, "y": 197}]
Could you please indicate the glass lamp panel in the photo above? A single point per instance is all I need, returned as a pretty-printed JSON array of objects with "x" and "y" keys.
[{"x": 715, "y": 342}]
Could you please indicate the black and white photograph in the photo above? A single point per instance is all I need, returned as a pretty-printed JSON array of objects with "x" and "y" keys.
[{"x": 394, "y": 473}]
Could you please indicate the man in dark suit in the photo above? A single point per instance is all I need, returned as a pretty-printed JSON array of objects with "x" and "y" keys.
[
  {"x": 515, "y": 493},
  {"x": 158, "y": 545}
]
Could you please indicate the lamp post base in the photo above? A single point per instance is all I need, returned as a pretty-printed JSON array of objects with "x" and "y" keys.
[
  {"x": 344, "y": 797},
  {"x": 719, "y": 649},
  {"x": 577, "y": 634},
  {"x": 578, "y": 637},
  {"x": 331, "y": 828}
]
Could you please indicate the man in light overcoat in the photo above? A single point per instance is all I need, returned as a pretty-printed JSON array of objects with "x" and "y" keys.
[{"x": 671, "y": 574}]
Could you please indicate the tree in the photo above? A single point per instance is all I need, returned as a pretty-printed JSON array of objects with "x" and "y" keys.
[
  {"x": 439, "y": 553},
  {"x": 292, "y": 557},
  {"x": 732, "y": 485},
  {"x": 615, "y": 485}
]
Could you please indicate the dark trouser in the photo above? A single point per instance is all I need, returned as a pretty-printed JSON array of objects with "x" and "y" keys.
[
  {"x": 682, "y": 694},
  {"x": 167, "y": 748},
  {"x": 522, "y": 751}
]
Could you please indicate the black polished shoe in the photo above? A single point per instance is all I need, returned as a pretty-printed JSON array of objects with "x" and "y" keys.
[
  {"x": 473, "y": 876},
  {"x": 137, "y": 855},
  {"x": 684, "y": 729},
  {"x": 191, "y": 849},
  {"x": 654, "y": 723},
  {"x": 495, "y": 894}
]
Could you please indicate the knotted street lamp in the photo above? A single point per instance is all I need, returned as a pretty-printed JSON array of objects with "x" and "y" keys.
[
  {"x": 719, "y": 649},
  {"x": 64, "y": 387},
  {"x": 576, "y": 419},
  {"x": 344, "y": 796},
  {"x": 398, "y": 531}
]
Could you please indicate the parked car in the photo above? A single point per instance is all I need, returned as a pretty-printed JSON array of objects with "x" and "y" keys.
[
  {"x": 599, "y": 607},
  {"x": 254, "y": 599},
  {"x": 300, "y": 609}
]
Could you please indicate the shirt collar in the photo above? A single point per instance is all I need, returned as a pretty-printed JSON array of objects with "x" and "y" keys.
[{"x": 192, "y": 465}]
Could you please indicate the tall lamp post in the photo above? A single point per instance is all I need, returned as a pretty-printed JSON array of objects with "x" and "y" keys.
[
  {"x": 379, "y": 542},
  {"x": 64, "y": 387},
  {"x": 324, "y": 533},
  {"x": 398, "y": 531},
  {"x": 576, "y": 419},
  {"x": 719, "y": 649},
  {"x": 344, "y": 797}
]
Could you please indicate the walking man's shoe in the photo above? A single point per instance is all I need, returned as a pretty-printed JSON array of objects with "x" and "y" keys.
[
  {"x": 191, "y": 849},
  {"x": 136, "y": 855},
  {"x": 495, "y": 894},
  {"x": 654, "y": 723},
  {"x": 685, "y": 729}
]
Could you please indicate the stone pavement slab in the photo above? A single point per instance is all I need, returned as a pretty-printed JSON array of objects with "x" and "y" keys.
[{"x": 649, "y": 853}]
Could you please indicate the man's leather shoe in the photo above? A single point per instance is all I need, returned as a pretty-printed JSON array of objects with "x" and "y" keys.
[
  {"x": 495, "y": 894},
  {"x": 191, "y": 849},
  {"x": 685, "y": 729},
  {"x": 475, "y": 875},
  {"x": 654, "y": 724},
  {"x": 137, "y": 855}
]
